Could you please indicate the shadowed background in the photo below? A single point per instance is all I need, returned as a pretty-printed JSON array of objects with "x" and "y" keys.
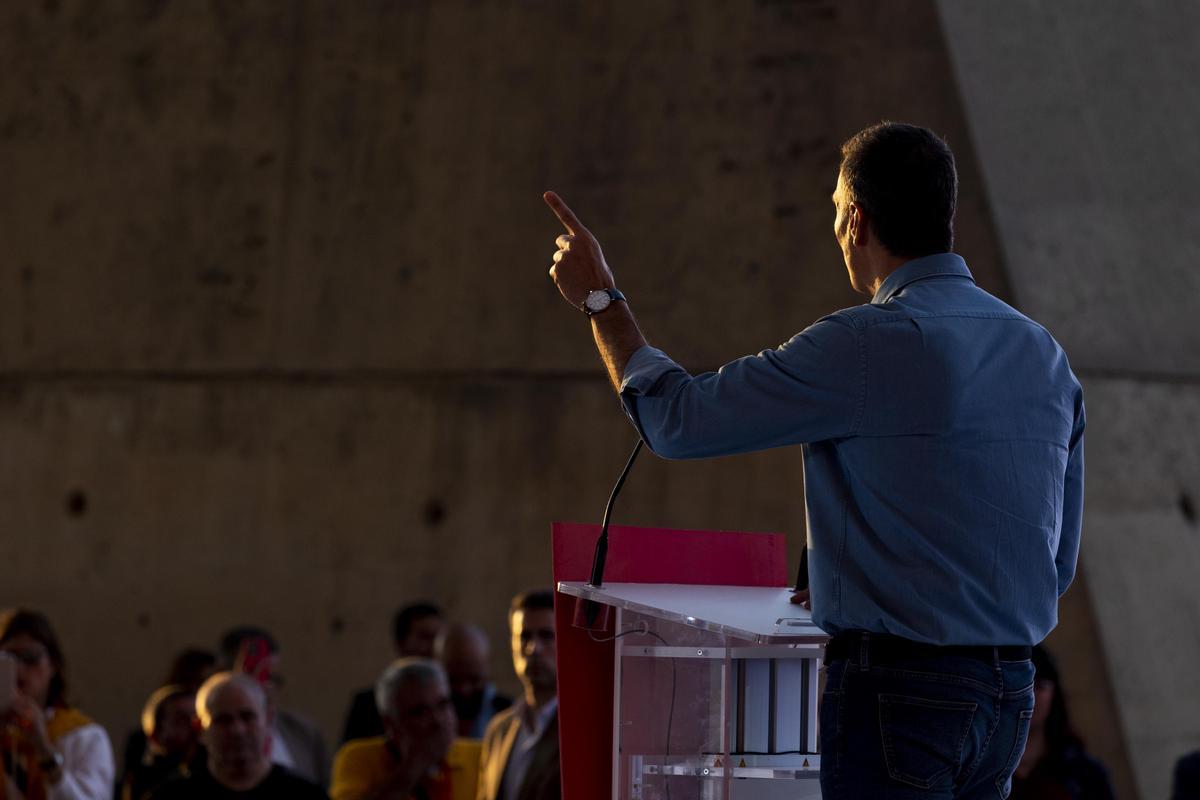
[{"x": 277, "y": 342}]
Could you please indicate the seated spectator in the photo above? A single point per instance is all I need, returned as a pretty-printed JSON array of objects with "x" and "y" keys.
[
  {"x": 296, "y": 742},
  {"x": 463, "y": 651},
  {"x": 414, "y": 630},
  {"x": 1055, "y": 765},
  {"x": 1185, "y": 783},
  {"x": 188, "y": 670},
  {"x": 235, "y": 723},
  {"x": 520, "y": 759},
  {"x": 49, "y": 749},
  {"x": 171, "y": 731},
  {"x": 418, "y": 756}
]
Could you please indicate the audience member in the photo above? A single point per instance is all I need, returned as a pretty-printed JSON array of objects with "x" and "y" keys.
[
  {"x": 1185, "y": 783},
  {"x": 464, "y": 650},
  {"x": 235, "y": 722},
  {"x": 296, "y": 742},
  {"x": 418, "y": 757},
  {"x": 188, "y": 670},
  {"x": 49, "y": 749},
  {"x": 1055, "y": 765},
  {"x": 170, "y": 728},
  {"x": 415, "y": 628},
  {"x": 520, "y": 748}
]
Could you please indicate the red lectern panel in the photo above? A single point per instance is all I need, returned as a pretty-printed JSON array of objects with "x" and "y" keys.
[{"x": 585, "y": 666}]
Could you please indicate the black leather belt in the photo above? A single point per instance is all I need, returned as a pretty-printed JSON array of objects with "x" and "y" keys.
[{"x": 882, "y": 648}]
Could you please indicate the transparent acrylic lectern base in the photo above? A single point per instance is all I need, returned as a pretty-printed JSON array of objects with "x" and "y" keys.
[{"x": 715, "y": 695}]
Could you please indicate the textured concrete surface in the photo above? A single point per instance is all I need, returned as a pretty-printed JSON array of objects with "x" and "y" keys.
[
  {"x": 357, "y": 185},
  {"x": 147, "y": 516},
  {"x": 276, "y": 338},
  {"x": 1081, "y": 114}
]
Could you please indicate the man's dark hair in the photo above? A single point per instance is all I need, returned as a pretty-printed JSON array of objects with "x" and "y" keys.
[
  {"x": 533, "y": 600},
  {"x": 233, "y": 639},
  {"x": 1060, "y": 735},
  {"x": 410, "y": 615},
  {"x": 903, "y": 177},
  {"x": 191, "y": 667}
]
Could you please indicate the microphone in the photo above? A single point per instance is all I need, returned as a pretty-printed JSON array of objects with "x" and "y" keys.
[{"x": 589, "y": 614}]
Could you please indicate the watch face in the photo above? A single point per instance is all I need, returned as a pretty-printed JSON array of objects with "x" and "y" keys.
[{"x": 597, "y": 300}]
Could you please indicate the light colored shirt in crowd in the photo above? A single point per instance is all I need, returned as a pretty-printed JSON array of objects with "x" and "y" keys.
[{"x": 88, "y": 767}]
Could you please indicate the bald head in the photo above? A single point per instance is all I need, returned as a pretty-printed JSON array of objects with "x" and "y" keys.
[
  {"x": 463, "y": 651},
  {"x": 222, "y": 687},
  {"x": 462, "y": 641},
  {"x": 235, "y": 719}
]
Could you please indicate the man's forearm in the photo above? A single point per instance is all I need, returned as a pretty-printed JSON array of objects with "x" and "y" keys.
[{"x": 618, "y": 337}]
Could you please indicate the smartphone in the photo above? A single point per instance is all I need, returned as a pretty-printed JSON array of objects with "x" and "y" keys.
[{"x": 8, "y": 681}]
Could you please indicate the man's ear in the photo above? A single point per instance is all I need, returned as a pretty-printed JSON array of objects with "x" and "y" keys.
[{"x": 857, "y": 225}]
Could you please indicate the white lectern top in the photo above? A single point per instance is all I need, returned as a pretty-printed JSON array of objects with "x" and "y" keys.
[{"x": 759, "y": 614}]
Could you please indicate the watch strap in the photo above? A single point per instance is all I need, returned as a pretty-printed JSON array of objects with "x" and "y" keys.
[{"x": 614, "y": 294}]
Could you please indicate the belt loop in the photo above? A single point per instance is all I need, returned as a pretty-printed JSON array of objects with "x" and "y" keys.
[
  {"x": 996, "y": 657},
  {"x": 864, "y": 641}
]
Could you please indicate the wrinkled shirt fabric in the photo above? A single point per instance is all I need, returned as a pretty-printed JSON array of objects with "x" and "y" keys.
[{"x": 943, "y": 454}]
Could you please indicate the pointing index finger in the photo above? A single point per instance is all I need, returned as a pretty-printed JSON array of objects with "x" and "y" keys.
[{"x": 565, "y": 215}]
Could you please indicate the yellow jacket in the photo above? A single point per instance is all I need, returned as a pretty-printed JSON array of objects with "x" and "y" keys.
[{"x": 361, "y": 765}]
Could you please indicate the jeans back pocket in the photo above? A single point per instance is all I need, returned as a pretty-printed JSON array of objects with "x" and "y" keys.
[{"x": 923, "y": 739}]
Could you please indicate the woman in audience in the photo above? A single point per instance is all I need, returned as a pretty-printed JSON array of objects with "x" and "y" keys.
[
  {"x": 51, "y": 751},
  {"x": 1055, "y": 765}
]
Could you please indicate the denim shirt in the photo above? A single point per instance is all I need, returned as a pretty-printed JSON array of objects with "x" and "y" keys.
[{"x": 943, "y": 454}]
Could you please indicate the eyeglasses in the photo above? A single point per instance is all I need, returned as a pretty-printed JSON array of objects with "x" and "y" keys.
[{"x": 28, "y": 658}]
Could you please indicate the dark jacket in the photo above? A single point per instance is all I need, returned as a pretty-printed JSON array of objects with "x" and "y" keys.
[
  {"x": 1186, "y": 784},
  {"x": 543, "y": 780}
]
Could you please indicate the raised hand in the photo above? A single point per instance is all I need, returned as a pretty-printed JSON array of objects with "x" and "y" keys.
[{"x": 579, "y": 265}]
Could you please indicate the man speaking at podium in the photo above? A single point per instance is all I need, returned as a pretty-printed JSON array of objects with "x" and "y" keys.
[{"x": 943, "y": 454}]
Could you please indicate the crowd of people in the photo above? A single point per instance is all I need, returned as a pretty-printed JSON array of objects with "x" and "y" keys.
[{"x": 433, "y": 727}]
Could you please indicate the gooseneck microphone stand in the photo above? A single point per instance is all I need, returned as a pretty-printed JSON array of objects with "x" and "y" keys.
[{"x": 587, "y": 612}]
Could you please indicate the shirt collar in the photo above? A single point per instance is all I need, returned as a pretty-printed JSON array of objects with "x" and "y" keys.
[
  {"x": 541, "y": 718},
  {"x": 938, "y": 265}
]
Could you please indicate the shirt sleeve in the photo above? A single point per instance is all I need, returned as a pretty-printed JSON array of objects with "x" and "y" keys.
[
  {"x": 810, "y": 389},
  {"x": 1072, "y": 517},
  {"x": 88, "y": 768}
]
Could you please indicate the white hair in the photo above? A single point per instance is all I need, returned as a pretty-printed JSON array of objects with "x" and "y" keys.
[{"x": 421, "y": 671}]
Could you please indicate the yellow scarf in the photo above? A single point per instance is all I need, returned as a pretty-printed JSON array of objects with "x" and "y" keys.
[{"x": 20, "y": 754}]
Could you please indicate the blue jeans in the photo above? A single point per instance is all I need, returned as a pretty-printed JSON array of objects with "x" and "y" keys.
[{"x": 932, "y": 727}]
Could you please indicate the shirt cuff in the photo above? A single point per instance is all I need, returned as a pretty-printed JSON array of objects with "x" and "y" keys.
[{"x": 643, "y": 370}]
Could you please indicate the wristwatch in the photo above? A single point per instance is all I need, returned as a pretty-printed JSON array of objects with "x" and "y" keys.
[
  {"x": 599, "y": 299},
  {"x": 52, "y": 762}
]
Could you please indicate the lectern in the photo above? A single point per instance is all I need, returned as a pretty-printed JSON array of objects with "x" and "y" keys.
[
  {"x": 714, "y": 691},
  {"x": 710, "y": 674}
]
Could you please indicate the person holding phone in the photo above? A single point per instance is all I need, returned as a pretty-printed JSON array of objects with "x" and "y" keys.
[{"x": 51, "y": 751}]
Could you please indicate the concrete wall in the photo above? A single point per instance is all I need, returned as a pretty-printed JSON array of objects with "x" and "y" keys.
[
  {"x": 1083, "y": 117},
  {"x": 276, "y": 338}
]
